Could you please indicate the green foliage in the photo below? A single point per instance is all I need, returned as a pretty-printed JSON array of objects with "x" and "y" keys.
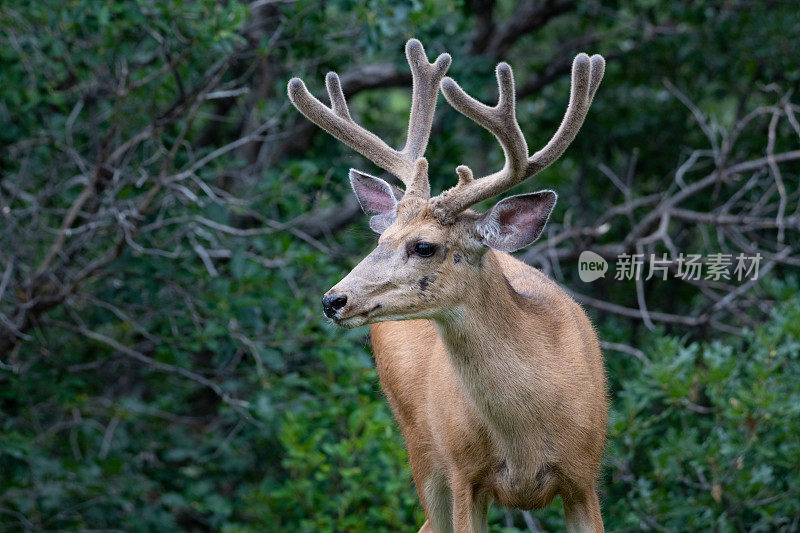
[
  {"x": 344, "y": 464},
  {"x": 167, "y": 392},
  {"x": 704, "y": 438}
]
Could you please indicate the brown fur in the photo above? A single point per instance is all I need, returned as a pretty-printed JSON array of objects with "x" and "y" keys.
[{"x": 500, "y": 391}]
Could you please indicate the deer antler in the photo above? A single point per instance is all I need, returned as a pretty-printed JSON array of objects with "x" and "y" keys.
[
  {"x": 336, "y": 119},
  {"x": 501, "y": 120}
]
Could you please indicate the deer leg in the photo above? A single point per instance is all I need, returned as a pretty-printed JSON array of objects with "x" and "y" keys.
[
  {"x": 583, "y": 514},
  {"x": 480, "y": 511},
  {"x": 458, "y": 510},
  {"x": 463, "y": 507},
  {"x": 438, "y": 504}
]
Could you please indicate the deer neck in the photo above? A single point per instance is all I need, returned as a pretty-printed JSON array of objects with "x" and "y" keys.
[{"x": 491, "y": 343}]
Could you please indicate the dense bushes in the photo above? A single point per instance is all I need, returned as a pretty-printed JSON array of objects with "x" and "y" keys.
[
  {"x": 167, "y": 225},
  {"x": 705, "y": 438}
]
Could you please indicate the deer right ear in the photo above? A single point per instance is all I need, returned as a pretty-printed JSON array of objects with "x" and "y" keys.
[
  {"x": 516, "y": 221},
  {"x": 377, "y": 198}
]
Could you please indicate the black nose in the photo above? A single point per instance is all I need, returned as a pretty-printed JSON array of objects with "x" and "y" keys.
[{"x": 331, "y": 304}]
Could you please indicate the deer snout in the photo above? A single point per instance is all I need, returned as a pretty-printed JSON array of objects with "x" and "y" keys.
[{"x": 331, "y": 303}]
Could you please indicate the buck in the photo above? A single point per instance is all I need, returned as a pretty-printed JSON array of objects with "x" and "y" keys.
[{"x": 492, "y": 371}]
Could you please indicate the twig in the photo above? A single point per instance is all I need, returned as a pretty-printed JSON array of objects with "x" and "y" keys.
[
  {"x": 156, "y": 365},
  {"x": 624, "y": 348}
]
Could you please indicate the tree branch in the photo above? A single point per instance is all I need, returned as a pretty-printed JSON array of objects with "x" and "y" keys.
[{"x": 531, "y": 16}]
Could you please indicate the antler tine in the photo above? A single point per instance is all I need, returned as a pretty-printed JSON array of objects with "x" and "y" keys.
[
  {"x": 501, "y": 121},
  {"x": 586, "y": 76},
  {"x": 336, "y": 119},
  {"x": 425, "y": 90},
  {"x": 336, "y": 95}
]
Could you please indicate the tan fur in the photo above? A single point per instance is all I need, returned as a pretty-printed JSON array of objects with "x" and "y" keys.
[{"x": 500, "y": 395}]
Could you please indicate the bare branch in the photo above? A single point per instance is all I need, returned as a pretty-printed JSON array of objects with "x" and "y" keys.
[{"x": 157, "y": 365}]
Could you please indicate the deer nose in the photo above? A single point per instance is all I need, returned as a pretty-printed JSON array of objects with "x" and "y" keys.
[{"x": 331, "y": 304}]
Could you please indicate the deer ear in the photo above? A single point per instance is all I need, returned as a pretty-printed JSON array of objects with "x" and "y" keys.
[
  {"x": 516, "y": 221},
  {"x": 376, "y": 198}
]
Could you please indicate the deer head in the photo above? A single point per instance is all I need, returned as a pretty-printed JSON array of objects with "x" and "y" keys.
[{"x": 430, "y": 251}]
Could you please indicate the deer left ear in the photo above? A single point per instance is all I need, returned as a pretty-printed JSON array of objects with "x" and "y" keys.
[
  {"x": 376, "y": 198},
  {"x": 516, "y": 221}
]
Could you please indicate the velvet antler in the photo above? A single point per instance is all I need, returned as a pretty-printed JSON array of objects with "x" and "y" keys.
[
  {"x": 407, "y": 164},
  {"x": 501, "y": 120}
]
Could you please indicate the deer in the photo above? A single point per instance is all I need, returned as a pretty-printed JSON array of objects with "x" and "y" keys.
[{"x": 492, "y": 371}]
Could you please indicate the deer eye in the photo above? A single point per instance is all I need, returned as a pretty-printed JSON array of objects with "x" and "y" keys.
[{"x": 424, "y": 249}]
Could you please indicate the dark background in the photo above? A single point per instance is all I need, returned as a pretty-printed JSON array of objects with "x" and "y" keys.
[{"x": 168, "y": 223}]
